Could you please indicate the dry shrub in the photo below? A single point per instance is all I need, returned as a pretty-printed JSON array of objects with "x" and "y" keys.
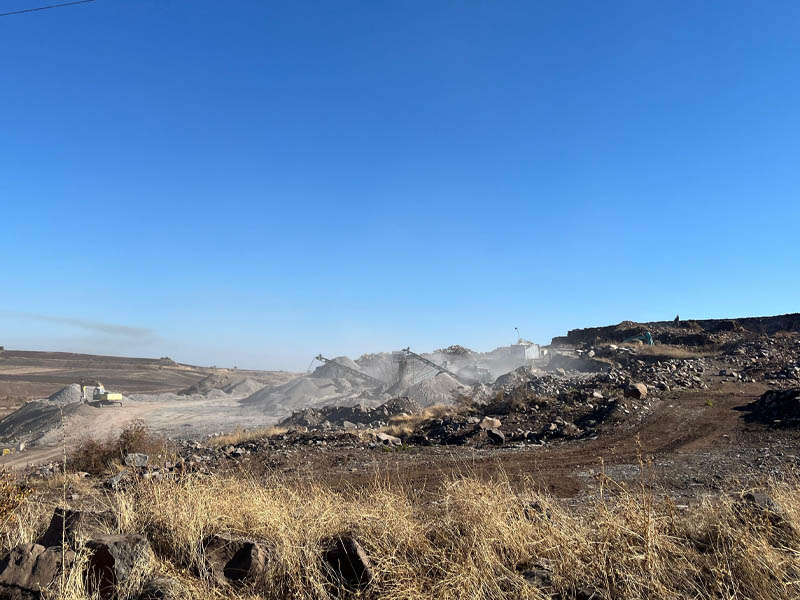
[{"x": 98, "y": 456}]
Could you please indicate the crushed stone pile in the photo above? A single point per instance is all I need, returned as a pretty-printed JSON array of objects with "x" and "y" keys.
[
  {"x": 40, "y": 421},
  {"x": 70, "y": 394},
  {"x": 329, "y": 370},
  {"x": 246, "y": 387},
  {"x": 215, "y": 381},
  {"x": 439, "y": 389}
]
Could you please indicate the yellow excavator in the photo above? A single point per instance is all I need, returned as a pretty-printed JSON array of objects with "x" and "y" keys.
[{"x": 100, "y": 395}]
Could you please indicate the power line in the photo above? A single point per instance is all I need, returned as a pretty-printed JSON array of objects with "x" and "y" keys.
[{"x": 27, "y": 10}]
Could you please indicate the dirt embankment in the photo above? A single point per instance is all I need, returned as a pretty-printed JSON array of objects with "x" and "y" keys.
[{"x": 691, "y": 332}]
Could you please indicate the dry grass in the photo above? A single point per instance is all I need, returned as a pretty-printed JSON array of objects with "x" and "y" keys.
[
  {"x": 246, "y": 435},
  {"x": 471, "y": 539},
  {"x": 405, "y": 425}
]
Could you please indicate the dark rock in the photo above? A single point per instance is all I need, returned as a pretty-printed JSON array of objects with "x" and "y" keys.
[
  {"x": 346, "y": 563},
  {"x": 112, "y": 560},
  {"x": 29, "y": 568},
  {"x": 496, "y": 436},
  {"x": 778, "y": 407},
  {"x": 232, "y": 560},
  {"x": 73, "y": 523}
]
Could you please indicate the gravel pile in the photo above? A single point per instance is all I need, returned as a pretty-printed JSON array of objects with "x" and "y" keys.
[
  {"x": 68, "y": 395},
  {"x": 439, "y": 389},
  {"x": 246, "y": 387}
]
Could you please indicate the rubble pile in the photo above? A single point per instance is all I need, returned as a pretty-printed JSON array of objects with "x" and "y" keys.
[
  {"x": 778, "y": 407},
  {"x": 330, "y": 416}
]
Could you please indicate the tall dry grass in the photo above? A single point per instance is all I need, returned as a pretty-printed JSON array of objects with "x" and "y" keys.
[{"x": 469, "y": 539}]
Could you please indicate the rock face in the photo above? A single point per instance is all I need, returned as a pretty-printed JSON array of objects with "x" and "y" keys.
[
  {"x": 346, "y": 563},
  {"x": 112, "y": 560},
  {"x": 28, "y": 569},
  {"x": 232, "y": 560}
]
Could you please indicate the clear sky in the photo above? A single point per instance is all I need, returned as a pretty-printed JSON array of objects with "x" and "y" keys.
[{"x": 250, "y": 183}]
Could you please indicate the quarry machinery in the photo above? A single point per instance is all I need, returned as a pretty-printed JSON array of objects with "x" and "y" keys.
[
  {"x": 430, "y": 363},
  {"x": 100, "y": 395},
  {"x": 370, "y": 378}
]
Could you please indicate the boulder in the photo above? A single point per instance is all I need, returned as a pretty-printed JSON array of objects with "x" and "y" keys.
[
  {"x": 387, "y": 439},
  {"x": 112, "y": 560},
  {"x": 346, "y": 563},
  {"x": 29, "y": 568},
  {"x": 636, "y": 390},
  {"x": 233, "y": 560},
  {"x": 489, "y": 423},
  {"x": 73, "y": 523},
  {"x": 496, "y": 436},
  {"x": 136, "y": 459}
]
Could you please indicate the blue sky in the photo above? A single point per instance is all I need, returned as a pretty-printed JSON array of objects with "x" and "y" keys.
[{"x": 250, "y": 183}]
